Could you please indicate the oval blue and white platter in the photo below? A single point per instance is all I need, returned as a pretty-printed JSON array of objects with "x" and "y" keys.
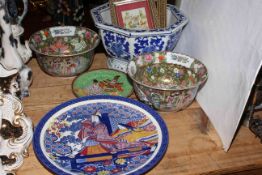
[{"x": 100, "y": 135}]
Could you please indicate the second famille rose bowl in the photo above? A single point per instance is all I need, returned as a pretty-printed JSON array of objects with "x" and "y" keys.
[
  {"x": 166, "y": 80},
  {"x": 124, "y": 44},
  {"x": 64, "y": 51}
]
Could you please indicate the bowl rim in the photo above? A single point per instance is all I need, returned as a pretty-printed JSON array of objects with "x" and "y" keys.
[
  {"x": 64, "y": 55},
  {"x": 196, "y": 85},
  {"x": 182, "y": 21}
]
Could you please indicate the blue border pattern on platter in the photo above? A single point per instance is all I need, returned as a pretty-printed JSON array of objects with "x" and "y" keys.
[{"x": 42, "y": 158}]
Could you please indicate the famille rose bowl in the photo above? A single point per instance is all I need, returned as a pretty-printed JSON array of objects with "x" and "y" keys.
[
  {"x": 64, "y": 51},
  {"x": 124, "y": 44},
  {"x": 166, "y": 80}
]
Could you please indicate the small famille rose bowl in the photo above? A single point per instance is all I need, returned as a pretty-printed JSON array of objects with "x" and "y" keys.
[
  {"x": 166, "y": 80},
  {"x": 102, "y": 82},
  {"x": 64, "y": 51}
]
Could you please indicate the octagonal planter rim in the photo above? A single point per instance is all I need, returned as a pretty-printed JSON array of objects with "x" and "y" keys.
[{"x": 101, "y": 24}]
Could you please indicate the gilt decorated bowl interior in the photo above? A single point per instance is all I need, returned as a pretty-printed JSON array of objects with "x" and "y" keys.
[
  {"x": 167, "y": 80},
  {"x": 65, "y": 50}
]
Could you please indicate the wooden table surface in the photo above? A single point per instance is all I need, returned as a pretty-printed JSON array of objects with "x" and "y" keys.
[{"x": 190, "y": 150}]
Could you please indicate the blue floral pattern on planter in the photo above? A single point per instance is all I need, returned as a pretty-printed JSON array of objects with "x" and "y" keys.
[
  {"x": 116, "y": 44},
  {"x": 148, "y": 44}
]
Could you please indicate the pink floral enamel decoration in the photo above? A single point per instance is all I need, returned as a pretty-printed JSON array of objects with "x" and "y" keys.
[
  {"x": 64, "y": 51},
  {"x": 167, "y": 80}
]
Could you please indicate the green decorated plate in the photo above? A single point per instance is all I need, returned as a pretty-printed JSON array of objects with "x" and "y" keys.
[{"x": 102, "y": 82}]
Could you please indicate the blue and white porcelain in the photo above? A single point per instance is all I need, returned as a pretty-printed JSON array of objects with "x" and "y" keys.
[
  {"x": 99, "y": 135},
  {"x": 117, "y": 64},
  {"x": 126, "y": 44}
]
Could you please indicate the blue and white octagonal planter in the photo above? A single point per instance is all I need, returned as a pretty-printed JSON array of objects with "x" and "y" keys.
[{"x": 124, "y": 44}]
